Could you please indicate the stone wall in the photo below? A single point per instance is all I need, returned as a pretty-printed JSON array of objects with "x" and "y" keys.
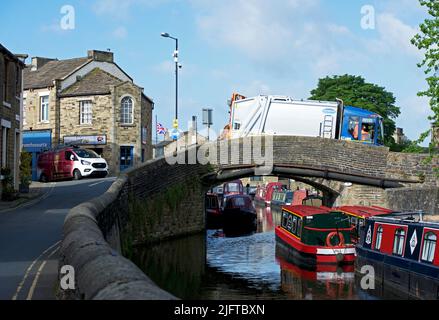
[{"x": 150, "y": 203}]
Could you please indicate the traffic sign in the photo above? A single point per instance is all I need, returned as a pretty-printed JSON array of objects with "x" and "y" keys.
[{"x": 175, "y": 134}]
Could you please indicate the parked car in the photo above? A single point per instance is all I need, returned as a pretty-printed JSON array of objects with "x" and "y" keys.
[{"x": 70, "y": 163}]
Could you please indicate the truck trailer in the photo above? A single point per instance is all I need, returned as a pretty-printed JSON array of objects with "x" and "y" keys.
[{"x": 282, "y": 115}]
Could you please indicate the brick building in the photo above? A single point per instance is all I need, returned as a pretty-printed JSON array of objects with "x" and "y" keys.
[
  {"x": 11, "y": 70},
  {"x": 92, "y": 102}
]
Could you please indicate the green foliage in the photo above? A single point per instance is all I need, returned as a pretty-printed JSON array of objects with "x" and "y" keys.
[
  {"x": 8, "y": 191},
  {"x": 25, "y": 168},
  {"x": 355, "y": 91},
  {"x": 427, "y": 40}
]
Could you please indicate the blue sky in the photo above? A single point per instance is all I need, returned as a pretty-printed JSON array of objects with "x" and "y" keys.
[{"x": 247, "y": 46}]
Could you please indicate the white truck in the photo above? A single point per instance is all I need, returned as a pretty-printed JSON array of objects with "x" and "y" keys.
[{"x": 282, "y": 115}]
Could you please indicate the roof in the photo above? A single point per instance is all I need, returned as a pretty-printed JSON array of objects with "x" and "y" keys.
[
  {"x": 11, "y": 55},
  {"x": 360, "y": 112},
  {"x": 305, "y": 211},
  {"x": 95, "y": 82},
  {"x": 364, "y": 212},
  {"x": 52, "y": 70}
]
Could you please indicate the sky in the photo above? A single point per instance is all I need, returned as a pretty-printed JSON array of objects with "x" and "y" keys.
[{"x": 247, "y": 46}]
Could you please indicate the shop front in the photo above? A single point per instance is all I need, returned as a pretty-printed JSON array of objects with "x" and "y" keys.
[{"x": 36, "y": 142}]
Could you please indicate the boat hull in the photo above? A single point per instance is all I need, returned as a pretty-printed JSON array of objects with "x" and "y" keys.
[{"x": 313, "y": 255}]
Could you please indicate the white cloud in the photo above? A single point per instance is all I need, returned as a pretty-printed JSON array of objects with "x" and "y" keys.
[
  {"x": 394, "y": 36},
  {"x": 120, "y": 33}
]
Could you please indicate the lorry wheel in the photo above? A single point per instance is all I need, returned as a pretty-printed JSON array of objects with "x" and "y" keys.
[{"x": 77, "y": 175}]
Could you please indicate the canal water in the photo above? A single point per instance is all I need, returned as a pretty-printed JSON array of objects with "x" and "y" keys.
[{"x": 213, "y": 266}]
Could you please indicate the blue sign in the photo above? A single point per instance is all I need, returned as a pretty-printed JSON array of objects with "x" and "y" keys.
[
  {"x": 35, "y": 141},
  {"x": 329, "y": 111},
  {"x": 175, "y": 134}
]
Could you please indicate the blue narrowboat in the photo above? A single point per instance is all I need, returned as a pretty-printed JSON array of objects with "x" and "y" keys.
[{"x": 403, "y": 251}]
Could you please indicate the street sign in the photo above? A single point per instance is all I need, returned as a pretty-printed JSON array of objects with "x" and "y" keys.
[
  {"x": 175, "y": 134},
  {"x": 175, "y": 123}
]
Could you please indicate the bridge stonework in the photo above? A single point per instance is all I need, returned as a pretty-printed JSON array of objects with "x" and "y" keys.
[{"x": 157, "y": 201}]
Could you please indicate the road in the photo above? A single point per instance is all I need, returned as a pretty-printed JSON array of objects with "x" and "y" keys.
[{"x": 30, "y": 236}]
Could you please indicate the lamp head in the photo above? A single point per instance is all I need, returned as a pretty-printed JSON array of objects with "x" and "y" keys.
[{"x": 165, "y": 35}]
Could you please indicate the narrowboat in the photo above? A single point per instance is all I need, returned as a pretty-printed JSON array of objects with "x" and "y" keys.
[
  {"x": 264, "y": 194},
  {"x": 213, "y": 211},
  {"x": 239, "y": 215},
  {"x": 315, "y": 235},
  {"x": 358, "y": 214},
  {"x": 403, "y": 251},
  {"x": 233, "y": 187},
  {"x": 281, "y": 198}
]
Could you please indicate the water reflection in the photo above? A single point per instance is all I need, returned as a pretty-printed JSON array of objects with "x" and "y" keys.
[{"x": 214, "y": 266}]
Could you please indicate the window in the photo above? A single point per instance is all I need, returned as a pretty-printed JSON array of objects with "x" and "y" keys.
[
  {"x": 294, "y": 227},
  {"x": 299, "y": 227},
  {"x": 5, "y": 82},
  {"x": 126, "y": 111},
  {"x": 379, "y": 238},
  {"x": 353, "y": 127},
  {"x": 367, "y": 130},
  {"x": 70, "y": 156},
  {"x": 429, "y": 247},
  {"x": 284, "y": 219},
  {"x": 44, "y": 108},
  {"x": 85, "y": 112},
  {"x": 256, "y": 178},
  {"x": 398, "y": 242},
  {"x": 24, "y": 111},
  {"x": 290, "y": 222}
]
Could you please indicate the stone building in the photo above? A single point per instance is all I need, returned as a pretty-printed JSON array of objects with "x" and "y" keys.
[
  {"x": 90, "y": 102},
  {"x": 11, "y": 70}
]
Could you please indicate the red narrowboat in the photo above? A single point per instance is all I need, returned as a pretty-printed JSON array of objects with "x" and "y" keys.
[
  {"x": 213, "y": 211},
  {"x": 358, "y": 214},
  {"x": 263, "y": 195},
  {"x": 403, "y": 252},
  {"x": 316, "y": 235}
]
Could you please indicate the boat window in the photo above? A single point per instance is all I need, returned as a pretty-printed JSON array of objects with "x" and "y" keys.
[
  {"x": 361, "y": 222},
  {"x": 284, "y": 219},
  {"x": 379, "y": 238},
  {"x": 353, "y": 125},
  {"x": 398, "y": 242},
  {"x": 294, "y": 227},
  {"x": 354, "y": 221},
  {"x": 299, "y": 227},
  {"x": 290, "y": 222},
  {"x": 429, "y": 247}
]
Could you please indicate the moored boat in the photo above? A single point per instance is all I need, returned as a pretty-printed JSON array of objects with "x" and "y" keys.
[
  {"x": 315, "y": 235},
  {"x": 403, "y": 252},
  {"x": 213, "y": 211},
  {"x": 239, "y": 215}
]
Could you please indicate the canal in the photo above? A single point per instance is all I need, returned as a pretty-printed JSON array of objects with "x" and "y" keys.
[{"x": 213, "y": 266}]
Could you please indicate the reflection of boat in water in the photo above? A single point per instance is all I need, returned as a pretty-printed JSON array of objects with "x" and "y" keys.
[
  {"x": 320, "y": 282},
  {"x": 239, "y": 215},
  {"x": 315, "y": 235},
  {"x": 403, "y": 251},
  {"x": 265, "y": 193}
]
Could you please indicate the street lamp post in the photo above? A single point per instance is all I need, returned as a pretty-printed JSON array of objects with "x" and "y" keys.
[{"x": 166, "y": 35}]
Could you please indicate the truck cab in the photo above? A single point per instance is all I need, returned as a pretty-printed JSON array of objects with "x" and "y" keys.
[{"x": 362, "y": 126}]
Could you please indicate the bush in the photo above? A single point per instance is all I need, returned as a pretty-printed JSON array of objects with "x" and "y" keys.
[
  {"x": 8, "y": 191},
  {"x": 25, "y": 168}
]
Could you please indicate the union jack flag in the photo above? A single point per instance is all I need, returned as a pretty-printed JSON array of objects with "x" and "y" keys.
[{"x": 161, "y": 129}]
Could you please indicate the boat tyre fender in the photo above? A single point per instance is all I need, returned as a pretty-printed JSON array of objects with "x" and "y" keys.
[{"x": 330, "y": 238}]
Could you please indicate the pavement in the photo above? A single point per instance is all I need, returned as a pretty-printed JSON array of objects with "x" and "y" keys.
[{"x": 30, "y": 234}]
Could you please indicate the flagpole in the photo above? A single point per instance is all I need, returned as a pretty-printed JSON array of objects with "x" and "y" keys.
[{"x": 156, "y": 135}]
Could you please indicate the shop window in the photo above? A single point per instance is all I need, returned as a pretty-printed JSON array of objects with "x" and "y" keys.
[{"x": 429, "y": 247}]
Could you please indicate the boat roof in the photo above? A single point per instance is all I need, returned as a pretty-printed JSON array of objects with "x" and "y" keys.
[
  {"x": 305, "y": 211},
  {"x": 426, "y": 221},
  {"x": 235, "y": 195},
  {"x": 365, "y": 212}
]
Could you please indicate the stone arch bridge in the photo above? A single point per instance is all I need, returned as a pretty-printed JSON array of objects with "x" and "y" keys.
[{"x": 164, "y": 198}]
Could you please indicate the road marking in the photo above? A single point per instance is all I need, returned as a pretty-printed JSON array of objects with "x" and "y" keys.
[
  {"x": 37, "y": 276},
  {"x": 95, "y": 184},
  {"x": 20, "y": 286}
]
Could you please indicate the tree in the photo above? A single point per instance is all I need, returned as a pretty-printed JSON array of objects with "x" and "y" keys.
[
  {"x": 427, "y": 40},
  {"x": 355, "y": 91}
]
